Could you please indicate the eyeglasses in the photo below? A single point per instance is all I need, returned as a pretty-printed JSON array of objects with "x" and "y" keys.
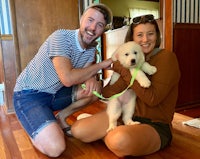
[{"x": 143, "y": 18}]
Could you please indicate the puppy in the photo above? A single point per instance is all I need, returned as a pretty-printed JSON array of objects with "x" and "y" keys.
[{"x": 130, "y": 56}]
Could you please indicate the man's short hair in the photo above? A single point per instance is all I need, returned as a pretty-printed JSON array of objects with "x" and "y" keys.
[{"x": 105, "y": 10}]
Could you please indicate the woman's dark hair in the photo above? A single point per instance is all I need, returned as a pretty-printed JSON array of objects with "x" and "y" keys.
[{"x": 129, "y": 34}]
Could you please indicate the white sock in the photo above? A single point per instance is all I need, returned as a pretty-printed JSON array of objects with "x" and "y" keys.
[{"x": 83, "y": 115}]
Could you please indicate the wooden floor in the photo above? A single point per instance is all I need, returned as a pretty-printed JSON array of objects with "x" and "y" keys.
[
  {"x": 14, "y": 143},
  {"x": 192, "y": 112}
]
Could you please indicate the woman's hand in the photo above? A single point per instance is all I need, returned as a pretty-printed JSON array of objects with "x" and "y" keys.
[{"x": 124, "y": 72}]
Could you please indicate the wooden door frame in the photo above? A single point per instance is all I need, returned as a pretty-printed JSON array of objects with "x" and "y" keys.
[{"x": 166, "y": 7}]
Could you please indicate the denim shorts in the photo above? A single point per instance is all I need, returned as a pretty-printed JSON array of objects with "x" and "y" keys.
[
  {"x": 34, "y": 109},
  {"x": 162, "y": 129}
]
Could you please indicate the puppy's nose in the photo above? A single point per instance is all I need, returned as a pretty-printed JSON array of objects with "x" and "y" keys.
[{"x": 133, "y": 62}]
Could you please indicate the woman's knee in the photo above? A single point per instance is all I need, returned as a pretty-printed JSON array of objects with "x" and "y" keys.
[
  {"x": 91, "y": 128},
  {"x": 79, "y": 131},
  {"x": 125, "y": 141},
  {"x": 75, "y": 130},
  {"x": 116, "y": 141}
]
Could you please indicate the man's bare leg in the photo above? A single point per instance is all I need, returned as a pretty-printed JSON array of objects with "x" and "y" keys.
[{"x": 77, "y": 105}]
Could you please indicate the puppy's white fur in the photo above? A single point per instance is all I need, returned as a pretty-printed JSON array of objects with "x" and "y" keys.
[{"x": 130, "y": 56}]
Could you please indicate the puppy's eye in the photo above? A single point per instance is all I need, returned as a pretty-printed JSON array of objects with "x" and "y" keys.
[
  {"x": 126, "y": 54},
  {"x": 135, "y": 52}
]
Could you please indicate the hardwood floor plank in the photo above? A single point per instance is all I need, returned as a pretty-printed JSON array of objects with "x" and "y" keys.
[
  {"x": 2, "y": 148},
  {"x": 29, "y": 154},
  {"x": 22, "y": 140},
  {"x": 15, "y": 144},
  {"x": 186, "y": 147},
  {"x": 12, "y": 151},
  {"x": 24, "y": 145},
  {"x": 79, "y": 150}
]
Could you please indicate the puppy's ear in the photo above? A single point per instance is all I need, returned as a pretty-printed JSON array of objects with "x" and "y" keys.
[
  {"x": 141, "y": 58},
  {"x": 115, "y": 56}
]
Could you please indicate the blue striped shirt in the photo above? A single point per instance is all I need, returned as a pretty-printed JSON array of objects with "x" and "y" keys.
[{"x": 40, "y": 73}]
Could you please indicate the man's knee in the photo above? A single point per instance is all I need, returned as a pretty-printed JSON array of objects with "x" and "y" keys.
[
  {"x": 52, "y": 149},
  {"x": 56, "y": 150},
  {"x": 50, "y": 140}
]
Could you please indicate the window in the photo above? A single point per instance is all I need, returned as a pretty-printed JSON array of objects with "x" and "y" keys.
[
  {"x": 134, "y": 12},
  {"x": 5, "y": 22}
]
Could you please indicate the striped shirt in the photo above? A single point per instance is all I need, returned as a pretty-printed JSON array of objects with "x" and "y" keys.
[{"x": 40, "y": 73}]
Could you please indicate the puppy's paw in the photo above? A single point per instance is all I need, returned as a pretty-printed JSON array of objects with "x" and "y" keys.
[
  {"x": 131, "y": 122},
  {"x": 152, "y": 70},
  {"x": 145, "y": 83},
  {"x": 111, "y": 127}
]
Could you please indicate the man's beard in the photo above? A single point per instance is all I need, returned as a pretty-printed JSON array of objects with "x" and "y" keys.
[{"x": 93, "y": 43}]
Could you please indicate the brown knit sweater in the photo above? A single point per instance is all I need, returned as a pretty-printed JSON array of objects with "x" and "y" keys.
[{"x": 159, "y": 100}]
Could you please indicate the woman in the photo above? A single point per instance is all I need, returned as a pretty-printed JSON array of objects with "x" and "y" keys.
[{"x": 155, "y": 105}]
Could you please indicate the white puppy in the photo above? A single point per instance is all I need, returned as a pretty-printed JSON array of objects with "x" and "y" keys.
[{"x": 130, "y": 56}]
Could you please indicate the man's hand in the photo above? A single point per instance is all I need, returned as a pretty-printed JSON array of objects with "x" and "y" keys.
[
  {"x": 91, "y": 85},
  {"x": 106, "y": 64}
]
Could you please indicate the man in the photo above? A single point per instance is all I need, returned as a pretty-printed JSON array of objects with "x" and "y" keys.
[{"x": 51, "y": 81}]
